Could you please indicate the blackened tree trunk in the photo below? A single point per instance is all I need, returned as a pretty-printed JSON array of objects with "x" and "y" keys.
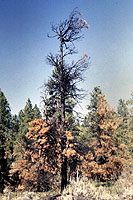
[{"x": 63, "y": 135}]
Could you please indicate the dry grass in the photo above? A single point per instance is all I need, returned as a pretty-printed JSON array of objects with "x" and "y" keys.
[
  {"x": 21, "y": 196},
  {"x": 84, "y": 190},
  {"x": 26, "y": 196},
  {"x": 124, "y": 185}
]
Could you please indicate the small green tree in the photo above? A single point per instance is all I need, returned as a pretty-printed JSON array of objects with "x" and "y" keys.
[
  {"x": 92, "y": 117},
  {"x": 36, "y": 112},
  {"x": 123, "y": 114},
  {"x": 89, "y": 128},
  {"x": 25, "y": 116},
  {"x": 19, "y": 130}
]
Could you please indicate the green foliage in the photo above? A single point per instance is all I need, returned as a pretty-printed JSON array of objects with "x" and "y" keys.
[
  {"x": 92, "y": 118},
  {"x": 36, "y": 112},
  {"x": 25, "y": 116},
  {"x": 89, "y": 128},
  {"x": 13, "y": 136},
  {"x": 123, "y": 114},
  {"x": 124, "y": 133},
  {"x": 5, "y": 118},
  {"x": 5, "y": 133}
]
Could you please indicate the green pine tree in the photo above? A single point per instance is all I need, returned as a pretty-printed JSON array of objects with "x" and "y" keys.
[
  {"x": 5, "y": 133},
  {"x": 15, "y": 131},
  {"x": 92, "y": 117},
  {"x": 89, "y": 128},
  {"x": 123, "y": 114},
  {"x": 36, "y": 112},
  {"x": 25, "y": 116}
]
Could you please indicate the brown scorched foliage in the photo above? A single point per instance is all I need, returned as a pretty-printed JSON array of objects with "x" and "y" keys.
[
  {"x": 104, "y": 160},
  {"x": 38, "y": 165}
]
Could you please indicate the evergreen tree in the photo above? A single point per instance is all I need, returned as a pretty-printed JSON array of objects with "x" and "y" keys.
[
  {"x": 5, "y": 132},
  {"x": 89, "y": 128},
  {"x": 123, "y": 114},
  {"x": 36, "y": 112},
  {"x": 63, "y": 83},
  {"x": 15, "y": 132},
  {"x": 25, "y": 116},
  {"x": 20, "y": 127},
  {"x": 21, "y": 124},
  {"x": 41, "y": 161},
  {"x": 28, "y": 111},
  {"x": 92, "y": 117},
  {"x": 104, "y": 160},
  {"x": 51, "y": 106}
]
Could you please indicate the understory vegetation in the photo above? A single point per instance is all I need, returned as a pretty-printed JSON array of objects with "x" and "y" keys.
[{"x": 83, "y": 189}]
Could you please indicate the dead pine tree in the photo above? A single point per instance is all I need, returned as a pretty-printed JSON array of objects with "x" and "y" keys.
[{"x": 62, "y": 85}]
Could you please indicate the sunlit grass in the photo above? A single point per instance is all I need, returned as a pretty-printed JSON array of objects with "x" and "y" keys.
[{"x": 83, "y": 189}]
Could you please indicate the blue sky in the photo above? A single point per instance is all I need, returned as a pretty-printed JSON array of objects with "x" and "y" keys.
[{"x": 24, "y": 45}]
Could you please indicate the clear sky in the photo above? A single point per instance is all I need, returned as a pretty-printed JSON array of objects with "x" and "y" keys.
[{"x": 24, "y": 45}]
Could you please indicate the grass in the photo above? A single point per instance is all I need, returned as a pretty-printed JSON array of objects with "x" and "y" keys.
[{"x": 122, "y": 189}]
